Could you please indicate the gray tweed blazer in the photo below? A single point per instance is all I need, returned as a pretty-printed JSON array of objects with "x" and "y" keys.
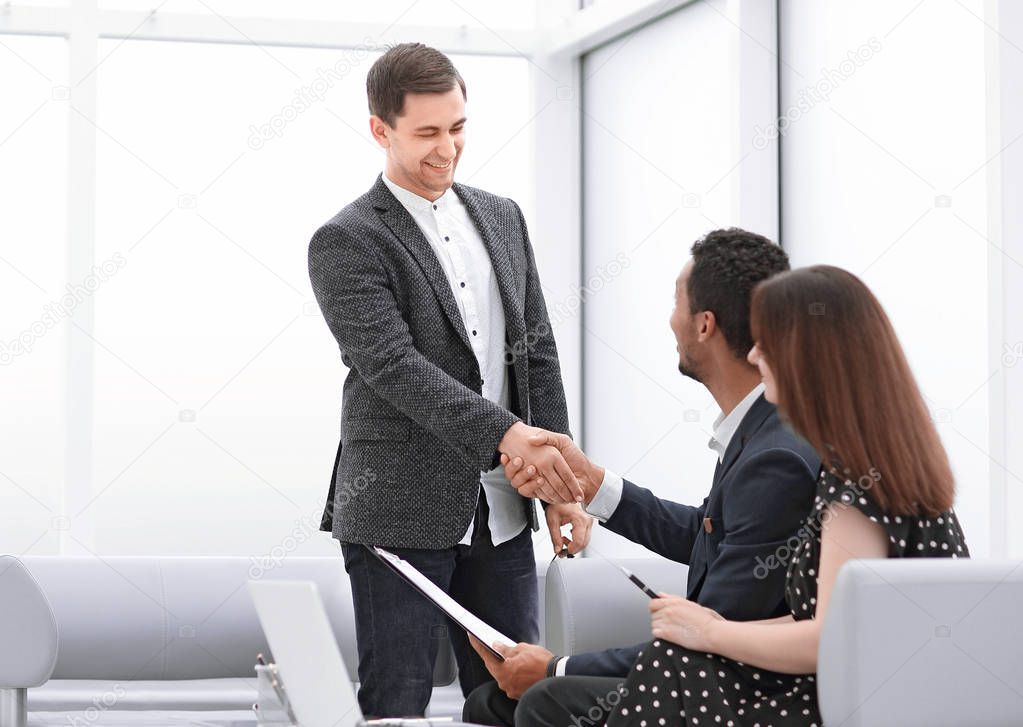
[{"x": 415, "y": 430}]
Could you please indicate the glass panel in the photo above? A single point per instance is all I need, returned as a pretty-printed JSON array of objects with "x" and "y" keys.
[
  {"x": 33, "y": 296},
  {"x": 655, "y": 180}
]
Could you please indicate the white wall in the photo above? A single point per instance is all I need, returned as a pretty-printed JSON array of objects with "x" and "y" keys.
[{"x": 882, "y": 174}]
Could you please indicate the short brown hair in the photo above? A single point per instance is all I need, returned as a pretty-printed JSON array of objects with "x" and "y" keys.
[
  {"x": 845, "y": 385},
  {"x": 408, "y": 68}
]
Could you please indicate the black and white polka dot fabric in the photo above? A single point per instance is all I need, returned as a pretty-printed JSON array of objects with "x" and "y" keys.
[{"x": 672, "y": 685}]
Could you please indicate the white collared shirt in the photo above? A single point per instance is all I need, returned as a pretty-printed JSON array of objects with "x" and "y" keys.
[
  {"x": 460, "y": 249},
  {"x": 725, "y": 426}
]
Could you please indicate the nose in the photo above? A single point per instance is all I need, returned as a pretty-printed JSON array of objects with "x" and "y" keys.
[{"x": 447, "y": 150}]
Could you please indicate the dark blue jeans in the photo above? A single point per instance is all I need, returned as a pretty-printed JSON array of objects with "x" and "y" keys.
[{"x": 398, "y": 631}]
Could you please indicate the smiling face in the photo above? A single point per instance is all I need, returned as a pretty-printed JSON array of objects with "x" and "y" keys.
[{"x": 425, "y": 143}]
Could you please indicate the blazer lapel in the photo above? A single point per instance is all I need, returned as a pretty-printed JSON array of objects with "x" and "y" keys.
[
  {"x": 400, "y": 222},
  {"x": 493, "y": 234},
  {"x": 749, "y": 424}
]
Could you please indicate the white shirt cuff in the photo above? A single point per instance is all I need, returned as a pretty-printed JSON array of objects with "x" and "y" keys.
[
  {"x": 607, "y": 497},
  {"x": 559, "y": 668}
]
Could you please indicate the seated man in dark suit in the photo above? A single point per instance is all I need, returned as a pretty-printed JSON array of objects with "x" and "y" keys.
[{"x": 761, "y": 493}]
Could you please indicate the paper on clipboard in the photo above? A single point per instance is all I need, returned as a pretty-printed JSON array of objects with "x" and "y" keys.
[{"x": 471, "y": 623}]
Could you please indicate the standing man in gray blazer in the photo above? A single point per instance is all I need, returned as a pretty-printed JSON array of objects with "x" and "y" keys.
[{"x": 431, "y": 291}]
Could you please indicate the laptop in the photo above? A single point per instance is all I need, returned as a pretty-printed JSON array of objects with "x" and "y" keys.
[{"x": 308, "y": 659}]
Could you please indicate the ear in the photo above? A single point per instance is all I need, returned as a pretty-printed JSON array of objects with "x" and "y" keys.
[
  {"x": 379, "y": 129},
  {"x": 706, "y": 325}
]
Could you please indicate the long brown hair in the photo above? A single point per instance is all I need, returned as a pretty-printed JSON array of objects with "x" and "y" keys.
[{"x": 844, "y": 384}]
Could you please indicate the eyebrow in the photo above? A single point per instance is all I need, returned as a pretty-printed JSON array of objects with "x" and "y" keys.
[{"x": 437, "y": 128}]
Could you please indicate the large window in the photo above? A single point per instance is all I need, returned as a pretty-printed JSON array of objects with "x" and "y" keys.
[
  {"x": 216, "y": 385},
  {"x": 658, "y": 150},
  {"x": 34, "y": 293}
]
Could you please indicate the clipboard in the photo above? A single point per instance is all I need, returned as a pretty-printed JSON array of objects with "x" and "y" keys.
[{"x": 472, "y": 624}]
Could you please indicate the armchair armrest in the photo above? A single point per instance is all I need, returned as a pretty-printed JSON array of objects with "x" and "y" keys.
[
  {"x": 589, "y": 605},
  {"x": 931, "y": 641},
  {"x": 28, "y": 628}
]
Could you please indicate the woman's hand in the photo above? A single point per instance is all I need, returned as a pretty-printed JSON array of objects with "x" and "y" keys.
[{"x": 683, "y": 622}]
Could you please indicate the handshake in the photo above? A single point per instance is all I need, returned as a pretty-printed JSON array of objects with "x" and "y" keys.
[{"x": 548, "y": 465}]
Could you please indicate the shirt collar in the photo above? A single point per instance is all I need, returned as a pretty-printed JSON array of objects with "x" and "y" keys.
[
  {"x": 726, "y": 425},
  {"x": 412, "y": 201}
]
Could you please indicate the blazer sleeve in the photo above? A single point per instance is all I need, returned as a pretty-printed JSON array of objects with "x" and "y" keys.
[
  {"x": 769, "y": 497},
  {"x": 667, "y": 528},
  {"x": 546, "y": 390},
  {"x": 608, "y": 663},
  {"x": 353, "y": 291}
]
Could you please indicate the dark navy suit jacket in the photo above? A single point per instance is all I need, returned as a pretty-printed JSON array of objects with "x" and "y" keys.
[{"x": 761, "y": 494}]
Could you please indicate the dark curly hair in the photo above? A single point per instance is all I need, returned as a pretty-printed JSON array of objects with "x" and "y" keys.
[{"x": 727, "y": 265}]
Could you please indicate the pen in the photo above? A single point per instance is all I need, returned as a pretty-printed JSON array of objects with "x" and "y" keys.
[{"x": 639, "y": 584}]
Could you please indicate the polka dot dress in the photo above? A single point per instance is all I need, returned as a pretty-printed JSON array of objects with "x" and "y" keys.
[{"x": 672, "y": 685}]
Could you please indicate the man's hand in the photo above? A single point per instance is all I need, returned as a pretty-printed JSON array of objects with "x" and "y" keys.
[
  {"x": 559, "y": 483},
  {"x": 569, "y": 514},
  {"x": 531, "y": 482},
  {"x": 523, "y": 666}
]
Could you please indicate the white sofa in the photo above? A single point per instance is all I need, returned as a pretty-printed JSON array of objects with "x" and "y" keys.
[
  {"x": 173, "y": 640},
  {"x": 151, "y": 640}
]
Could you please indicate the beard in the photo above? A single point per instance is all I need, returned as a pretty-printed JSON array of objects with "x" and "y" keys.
[{"x": 688, "y": 369}]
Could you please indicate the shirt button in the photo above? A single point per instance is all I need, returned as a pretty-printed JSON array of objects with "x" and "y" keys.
[
  {"x": 447, "y": 239},
  {"x": 435, "y": 206},
  {"x": 474, "y": 331},
  {"x": 462, "y": 284}
]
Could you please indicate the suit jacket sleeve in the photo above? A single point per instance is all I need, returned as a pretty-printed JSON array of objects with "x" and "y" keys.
[
  {"x": 769, "y": 495},
  {"x": 667, "y": 528},
  {"x": 546, "y": 389},
  {"x": 353, "y": 290},
  {"x": 608, "y": 663}
]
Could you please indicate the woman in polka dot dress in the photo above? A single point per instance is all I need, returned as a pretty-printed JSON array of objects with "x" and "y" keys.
[{"x": 831, "y": 362}]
